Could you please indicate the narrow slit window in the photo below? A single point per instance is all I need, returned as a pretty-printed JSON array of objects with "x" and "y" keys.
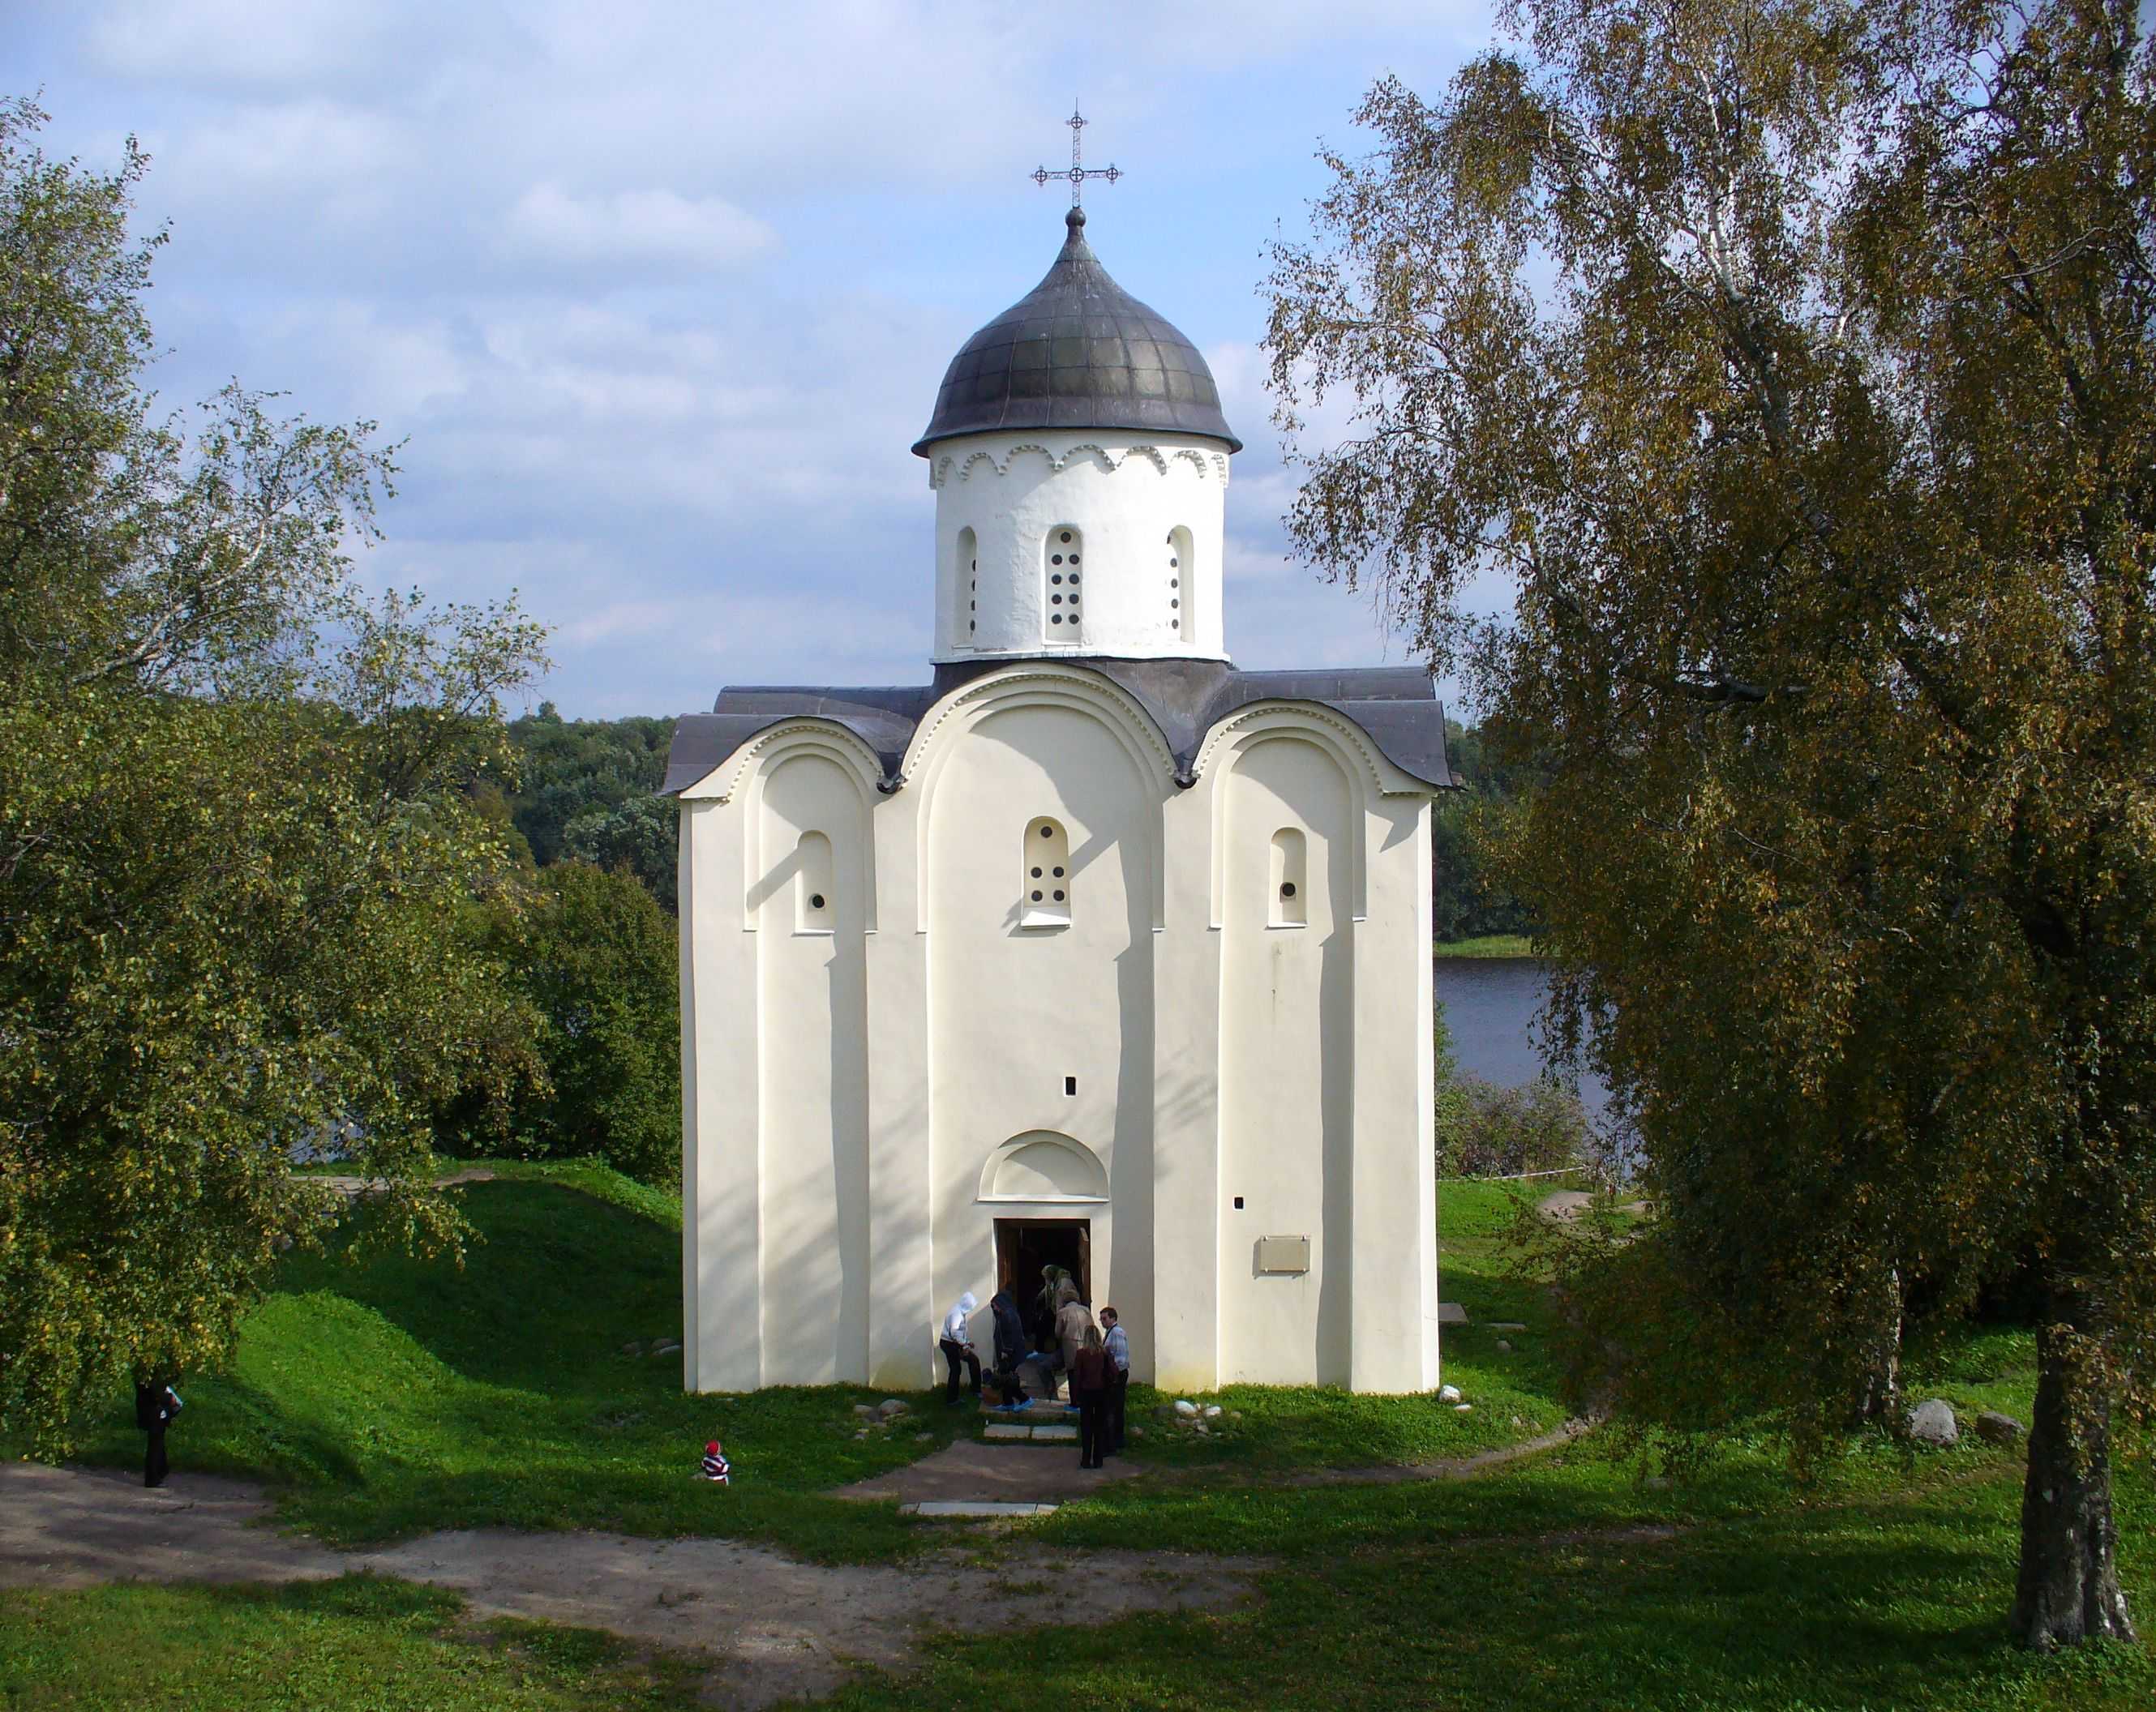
[
  {"x": 967, "y": 580},
  {"x": 1062, "y": 584},
  {"x": 812, "y": 890},
  {"x": 1289, "y": 906},
  {"x": 1045, "y": 875},
  {"x": 1181, "y": 551}
]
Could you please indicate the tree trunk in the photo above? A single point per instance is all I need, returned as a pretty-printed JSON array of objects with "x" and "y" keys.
[{"x": 2068, "y": 1590}]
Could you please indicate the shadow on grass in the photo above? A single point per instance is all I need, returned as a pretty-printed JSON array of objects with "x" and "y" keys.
[{"x": 1864, "y": 1606}]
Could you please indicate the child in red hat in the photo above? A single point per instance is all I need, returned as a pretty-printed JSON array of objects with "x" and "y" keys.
[{"x": 715, "y": 1465}]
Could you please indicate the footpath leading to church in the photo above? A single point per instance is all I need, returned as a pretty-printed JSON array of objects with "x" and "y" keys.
[{"x": 777, "y": 1629}]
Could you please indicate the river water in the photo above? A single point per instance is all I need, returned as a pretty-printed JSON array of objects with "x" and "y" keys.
[{"x": 1489, "y": 1006}]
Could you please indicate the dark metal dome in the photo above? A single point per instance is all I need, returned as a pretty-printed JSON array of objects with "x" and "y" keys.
[{"x": 1077, "y": 351}]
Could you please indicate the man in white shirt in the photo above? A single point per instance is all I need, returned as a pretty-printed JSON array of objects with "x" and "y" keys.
[
  {"x": 1118, "y": 1343},
  {"x": 957, "y": 1343}
]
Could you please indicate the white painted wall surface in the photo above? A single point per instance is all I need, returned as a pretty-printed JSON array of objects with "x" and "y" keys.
[
  {"x": 844, "y": 1093},
  {"x": 1287, "y": 1065},
  {"x": 1002, "y": 501}
]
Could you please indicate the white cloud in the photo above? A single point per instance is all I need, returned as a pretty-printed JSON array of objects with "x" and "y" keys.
[{"x": 634, "y": 229}]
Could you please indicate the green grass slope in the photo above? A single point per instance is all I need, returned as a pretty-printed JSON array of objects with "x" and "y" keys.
[{"x": 393, "y": 1395}]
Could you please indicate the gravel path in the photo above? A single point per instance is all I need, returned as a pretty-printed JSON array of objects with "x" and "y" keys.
[{"x": 777, "y": 1629}]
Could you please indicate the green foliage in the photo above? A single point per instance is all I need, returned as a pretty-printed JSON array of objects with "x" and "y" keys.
[
  {"x": 1794, "y": 361},
  {"x": 1487, "y": 1131},
  {"x": 588, "y": 789},
  {"x": 598, "y": 961},
  {"x": 236, "y": 839}
]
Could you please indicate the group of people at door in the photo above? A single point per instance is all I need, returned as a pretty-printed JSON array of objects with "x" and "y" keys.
[{"x": 1058, "y": 1344}]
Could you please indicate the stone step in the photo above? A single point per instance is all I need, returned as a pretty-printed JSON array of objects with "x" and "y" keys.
[
  {"x": 1038, "y": 1432},
  {"x": 968, "y": 1507}
]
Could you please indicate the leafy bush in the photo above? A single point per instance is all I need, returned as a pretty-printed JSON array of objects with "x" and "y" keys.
[{"x": 1486, "y": 1130}]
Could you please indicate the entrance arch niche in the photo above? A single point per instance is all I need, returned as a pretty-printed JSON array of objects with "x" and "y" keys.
[{"x": 1044, "y": 1167}]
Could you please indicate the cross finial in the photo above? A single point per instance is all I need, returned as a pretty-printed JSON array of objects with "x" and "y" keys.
[{"x": 1079, "y": 173}]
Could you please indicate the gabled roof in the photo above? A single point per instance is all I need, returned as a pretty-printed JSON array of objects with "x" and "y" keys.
[{"x": 1396, "y": 706}]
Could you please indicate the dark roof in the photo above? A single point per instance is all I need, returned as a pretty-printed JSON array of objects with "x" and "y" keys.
[
  {"x": 1396, "y": 705},
  {"x": 1077, "y": 351}
]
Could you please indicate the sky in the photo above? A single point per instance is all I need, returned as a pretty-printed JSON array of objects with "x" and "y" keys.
[{"x": 657, "y": 296}]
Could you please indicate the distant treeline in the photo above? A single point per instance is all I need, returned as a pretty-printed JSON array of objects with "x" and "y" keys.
[
  {"x": 1467, "y": 902},
  {"x": 589, "y": 791}
]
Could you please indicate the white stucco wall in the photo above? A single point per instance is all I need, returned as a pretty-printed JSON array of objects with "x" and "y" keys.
[
  {"x": 1002, "y": 502},
  {"x": 848, "y": 1093}
]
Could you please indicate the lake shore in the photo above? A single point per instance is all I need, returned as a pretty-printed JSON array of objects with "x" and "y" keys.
[{"x": 1490, "y": 945}]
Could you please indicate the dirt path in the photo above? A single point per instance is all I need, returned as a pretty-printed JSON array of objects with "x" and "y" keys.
[
  {"x": 353, "y": 1187},
  {"x": 1009, "y": 1473},
  {"x": 778, "y": 1629},
  {"x": 1388, "y": 1474}
]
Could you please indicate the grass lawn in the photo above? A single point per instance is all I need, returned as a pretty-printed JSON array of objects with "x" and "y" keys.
[
  {"x": 389, "y": 1398},
  {"x": 1489, "y": 945},
  {"x": 396, "y": 1396},
  {"x": 364, "y": 1641}
]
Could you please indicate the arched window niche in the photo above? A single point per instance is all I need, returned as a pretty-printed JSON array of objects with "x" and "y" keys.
[
  {"x": 1289, "y": 904},
  {"x": 1045, "y": 875},
  {"x": 965, "y": 582},
  {"x": 1043, "y": 1165},
  {"x": 1181, "y": 561},
  {"x": 814, "y": 895},
  {"x": 1062, "y": 584}
]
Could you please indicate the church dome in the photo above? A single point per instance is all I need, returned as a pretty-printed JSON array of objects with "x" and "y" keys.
[{"x": 1077, "y": 351}]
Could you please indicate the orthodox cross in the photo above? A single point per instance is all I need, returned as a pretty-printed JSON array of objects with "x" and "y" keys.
[{"x": 1077, "y": 174}]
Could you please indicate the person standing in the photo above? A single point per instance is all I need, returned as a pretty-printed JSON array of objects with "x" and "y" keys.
[
  {"x": 1117, "y": 1344},
  {"x": 1089, "y": 1390},
  {"x": 1010, "y": 1349},
  {"x": 1072, "y": 1323},
  {"x": 1044, "y": 1306},
  {"x": 957, "y": 1343},
  {"x": 156, "y": 1403}
]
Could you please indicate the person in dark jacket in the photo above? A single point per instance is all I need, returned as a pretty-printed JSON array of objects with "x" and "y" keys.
[
  {"x": 1089, "y": 1389},
  {"x": 1010, "y": 1349},
  {"x": 156, "y": 1403}
]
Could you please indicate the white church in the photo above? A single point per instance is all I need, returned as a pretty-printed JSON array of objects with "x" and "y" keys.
[{"x": 1093, "y": 951}]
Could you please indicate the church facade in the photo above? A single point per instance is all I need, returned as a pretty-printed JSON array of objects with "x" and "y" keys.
[{"x": 1093, "y": 951}]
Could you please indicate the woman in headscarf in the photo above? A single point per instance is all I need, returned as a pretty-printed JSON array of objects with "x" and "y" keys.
[
  {"x": 957, "y": 1343},
  {"x": 1073, "y": 1321},
  {"x": 1089, "y": 1390},
  {"x": 1010, "y": 1349}
]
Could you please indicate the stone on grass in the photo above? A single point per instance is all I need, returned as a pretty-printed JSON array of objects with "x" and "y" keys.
[
  {"x": 667, "y": 1346},
  {"x": 1202, "y": 1430},
  {"x": 1461, "y": 1408},
  {"x": 1212, "y": 1411},
  {"x": 1186, "y": 1408},
  {"x": 1503, "y": 1347},
  {"x": 864, "y": 1410},
  {"x": 1932, "y": 1422},
  {"x": 1507, "y": 1325},
  {"x": 1448, "y": 1393},
  {"x": 1995, "y": 1428},
  {"x": 1451, "y": 1314},
  {"x": 1234, "y": 1414},
  {"x": 634, "y": 1346},
  {"x": 889, "y": 1407}
]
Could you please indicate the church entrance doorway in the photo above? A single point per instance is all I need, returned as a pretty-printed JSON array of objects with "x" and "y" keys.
[{"x": 1026, "y": 1245}]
